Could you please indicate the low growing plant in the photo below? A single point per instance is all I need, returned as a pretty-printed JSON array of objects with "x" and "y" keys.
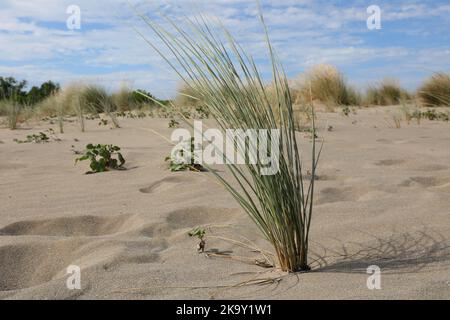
[
  {"x": 102, "y": 157},
  {"x": 35, "y": 138},
  {"x": 176, "y": 166},
  {"x": 174, "y": 124}
]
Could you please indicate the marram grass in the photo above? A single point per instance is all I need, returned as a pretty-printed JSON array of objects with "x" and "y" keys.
[
  {"x": 227, "y": 80},
  {"x": 436, "y": 90}
]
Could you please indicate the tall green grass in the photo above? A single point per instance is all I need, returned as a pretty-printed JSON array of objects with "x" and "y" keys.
[
  {"x": 435, "y": 91},
  {"x": 226, "y": 79}
]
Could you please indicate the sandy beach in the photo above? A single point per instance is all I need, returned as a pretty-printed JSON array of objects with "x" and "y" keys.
[{"x": 382, "y": 198}]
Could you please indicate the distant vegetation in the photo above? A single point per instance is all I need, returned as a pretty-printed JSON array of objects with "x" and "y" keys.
[
  {"x": 14, "y": 90},
  {"x": 386, "y": 93},
  {"x": 326, "y": 84},
  {"x": 50, "y": 101},
  {"x": 435, "y": 91},
  {"x": 323, "y": 83}
]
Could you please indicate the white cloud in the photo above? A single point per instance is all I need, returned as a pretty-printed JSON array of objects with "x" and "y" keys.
[{"x": 305, "y": 32}]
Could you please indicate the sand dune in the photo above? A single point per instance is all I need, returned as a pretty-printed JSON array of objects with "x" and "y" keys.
[{"x": 382, "y": 199}]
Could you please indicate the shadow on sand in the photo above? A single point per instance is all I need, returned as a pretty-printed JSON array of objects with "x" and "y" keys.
[{"x": 407, "y": 252}]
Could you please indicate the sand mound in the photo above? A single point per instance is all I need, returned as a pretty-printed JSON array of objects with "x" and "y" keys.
[
  {"x": 67, "y": 227},
  {"x": 28, "y": 265}
]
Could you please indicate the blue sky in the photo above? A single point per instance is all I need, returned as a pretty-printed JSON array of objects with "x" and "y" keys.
[{"x": 36, "y": 45}]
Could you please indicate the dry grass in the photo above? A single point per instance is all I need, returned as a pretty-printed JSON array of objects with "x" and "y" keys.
[
  {"x": 186, "y": 97},
  {"x": 435, "y": 91},
  {"x": 327, "y": 85},
  {"x": 12, "y": 111},
  {"x": 387, "y": 92}
]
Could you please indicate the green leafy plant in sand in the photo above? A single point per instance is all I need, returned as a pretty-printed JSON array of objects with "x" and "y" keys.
[
  {"x": 102, "y": 157},
  {"x": 174, "y": 124},
  {"x": 225, "y": 78},
  {"x": 199, "y": 233}
]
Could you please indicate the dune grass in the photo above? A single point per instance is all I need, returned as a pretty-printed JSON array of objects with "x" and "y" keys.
[
  {"x": 229, "y": 83},
  {"x": 327, "y": 85},
  {"x": 12, "y": 111},
  {"x": 386, "y": 93},
  {"x": 97, "y": 99},
  {"x": 435, "y": 91}
]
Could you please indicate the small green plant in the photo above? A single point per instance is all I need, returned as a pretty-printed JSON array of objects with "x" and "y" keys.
[
  {"x": 199, "y": 233},
  {"x": 176, "y": 166},
  {"x": 102, "y": 158},
  {"x": 202, "y": 112},
  {"x": 346, "y": 111},
  {"x": 34, "y": 138},
  {"x": 431, "y": 115},
  {"x": 103, "y": 122},
  {"x": 174, "y": 124}
]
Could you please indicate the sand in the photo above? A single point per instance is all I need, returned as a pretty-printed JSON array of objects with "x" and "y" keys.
[{"x": 383, "y": 198}]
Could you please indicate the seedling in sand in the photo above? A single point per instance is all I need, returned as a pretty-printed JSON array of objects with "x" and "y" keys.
[
  {"x": 102, "y": 157},
  {"x": 346, "y": 111},
  {"x": 200, "y": 233},
  {"x": 176, "y": 166},
  {"x": 174, "y": 124},
  {"x": 103, "y": 122}
]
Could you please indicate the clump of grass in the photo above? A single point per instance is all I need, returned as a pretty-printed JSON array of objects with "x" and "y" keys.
[
  {"x": 387, "y": 92},
  {"x": 435, "y": 91},
  {"x": 281, "y": 204},
  {"x": 12, "y": 111},
  {"x": 327, "y": 85},
  {"x": 123, "y": 99},
  {"x": 96, "y": 98},
  {"x": 186, "y": 97}
]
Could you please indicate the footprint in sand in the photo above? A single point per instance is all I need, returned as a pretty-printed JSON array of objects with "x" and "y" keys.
[
  {"x": 138, "y": 252},
  {"x": 332, "y": 195},
  {"x": 166, "y": 184},
  {"x": 89, "y": 226},
  {"x": 389, "y": 162},
  {"x": 440, "y": 183}
]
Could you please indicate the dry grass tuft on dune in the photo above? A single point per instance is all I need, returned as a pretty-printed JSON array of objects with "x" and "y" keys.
[
  {"x": 435, "y": 91},
  {"x": 327, "y": 85},
  {"x": 386, "y": 93}
]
